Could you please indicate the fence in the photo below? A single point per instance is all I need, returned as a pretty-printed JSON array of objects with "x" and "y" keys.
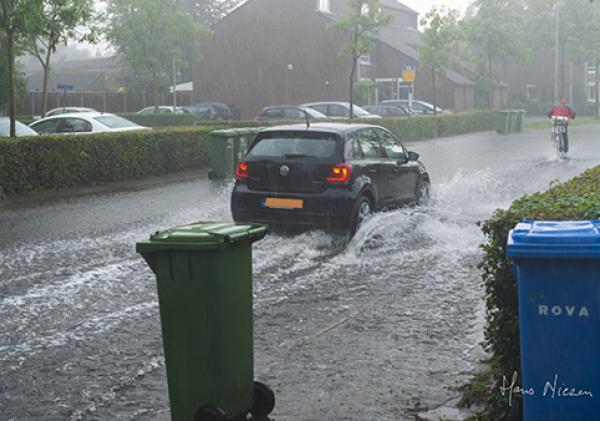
[{"x": 109, "y": 102}]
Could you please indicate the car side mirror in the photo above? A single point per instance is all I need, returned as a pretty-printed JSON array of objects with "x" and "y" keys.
[{"x": 413, "y": 156}]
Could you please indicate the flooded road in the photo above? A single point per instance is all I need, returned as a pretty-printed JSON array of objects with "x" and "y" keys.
[{"x": 362, "y": 330}]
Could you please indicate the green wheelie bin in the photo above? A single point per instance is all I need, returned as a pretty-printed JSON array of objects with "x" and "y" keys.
[
  {"x": 520, "y": 120},
  {"x": 204, "y": 281},
  {"x": 243, "y": 140},
  {"x": 221, "y": 147},
  {"x": 503, "y": 121}
]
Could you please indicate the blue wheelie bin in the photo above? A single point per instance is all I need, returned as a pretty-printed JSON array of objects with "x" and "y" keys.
[{"x": 557, "y": 266}]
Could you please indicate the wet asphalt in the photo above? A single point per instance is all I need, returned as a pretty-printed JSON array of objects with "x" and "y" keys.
[{"x": 373, "y": 328}]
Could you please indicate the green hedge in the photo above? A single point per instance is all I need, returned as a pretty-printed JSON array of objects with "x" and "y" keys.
[
  {"x": 577, "y": 199},
  {"x": 428, "y": 127},
  {"x": 51, "y": 162}
]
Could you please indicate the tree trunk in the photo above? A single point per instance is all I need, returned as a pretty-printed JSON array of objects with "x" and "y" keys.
[
  {"x": 45, "y": 84},
  {"x": 433, "y": 79},
  {"x": 596, "y": 88},
  {"x": 155, "y": 89},
  {"x": 491, "y": 80},
  {"x": 352, "y": 74},
  {"x": 12, "y": 102}
]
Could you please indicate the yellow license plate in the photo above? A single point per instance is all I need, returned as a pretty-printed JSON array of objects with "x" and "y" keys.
[{"x": 272, "y": 202}]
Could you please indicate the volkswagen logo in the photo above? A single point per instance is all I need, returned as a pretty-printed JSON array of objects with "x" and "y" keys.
[{"x": 284, "y": 170}]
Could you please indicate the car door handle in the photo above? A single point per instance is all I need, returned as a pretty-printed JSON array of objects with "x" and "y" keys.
[
  {"x": 396, "y": 168},
  {"x": 372, "y": 171}
]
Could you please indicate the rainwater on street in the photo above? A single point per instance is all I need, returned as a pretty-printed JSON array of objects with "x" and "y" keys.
[{"x": 366, "y": 329}]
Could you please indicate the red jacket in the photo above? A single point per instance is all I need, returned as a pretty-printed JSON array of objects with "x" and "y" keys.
[{"x": 561, "y": 111}]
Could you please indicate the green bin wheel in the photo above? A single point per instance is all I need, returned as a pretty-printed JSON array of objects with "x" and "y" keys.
[
  {"x": 212, "y": 175},
  {"x": 263, "y": 402},
  {"x": 210, "y": 413}
]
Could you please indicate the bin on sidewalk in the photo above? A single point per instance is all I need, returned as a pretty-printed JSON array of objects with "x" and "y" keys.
[
  {"x": 221, "y": 147},
  {"x": 557, "y": 265},
  {"x": 204, "y": 282},
  {"x": 520, "y": 119},
  {"x": 242, "y": 141},
  {"x": 503, "y": 121}
]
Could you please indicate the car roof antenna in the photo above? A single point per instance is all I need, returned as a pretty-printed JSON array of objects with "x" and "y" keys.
[{"x": 307, "y": 119}]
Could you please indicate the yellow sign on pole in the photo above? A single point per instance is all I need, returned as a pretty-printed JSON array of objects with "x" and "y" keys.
[{"x": 409, "y": 74}]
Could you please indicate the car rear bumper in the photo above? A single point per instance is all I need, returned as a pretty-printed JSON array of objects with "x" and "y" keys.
[{"x": 329, "y": 209}]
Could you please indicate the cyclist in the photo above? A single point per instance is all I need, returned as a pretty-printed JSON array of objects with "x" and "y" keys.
[{"x": 563, "y": 110}]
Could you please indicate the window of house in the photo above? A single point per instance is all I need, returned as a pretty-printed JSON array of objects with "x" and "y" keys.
[
  {"x": 364, "y": 10},
  {"x": 365, "y": 59},
  {"x": 533, "y": 93},
  {"x": 591, "y": 92},
  {"x": 590, "y": 67},
  {"x": 324, "y": 6}
]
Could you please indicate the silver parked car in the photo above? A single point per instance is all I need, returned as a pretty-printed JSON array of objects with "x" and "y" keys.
[
  {"x": 339, "y": 110},
  {"x": 84, "y": 123},
  {"x": 21, "y": 129},
  {"x": 163, "y": 109},
  {"x": 69, "y": 110}
]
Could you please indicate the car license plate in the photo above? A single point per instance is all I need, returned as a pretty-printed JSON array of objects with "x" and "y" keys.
[{"x": 272, "y": 202}]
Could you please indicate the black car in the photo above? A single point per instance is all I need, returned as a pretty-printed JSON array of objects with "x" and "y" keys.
[{"x": 328, "y": 175}]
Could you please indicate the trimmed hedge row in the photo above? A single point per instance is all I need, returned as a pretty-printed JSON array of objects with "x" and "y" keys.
[
  {"x": 52, "y": 162},
  {"x": 428, "y": 127},
  {"x": 577, "y": 199}
]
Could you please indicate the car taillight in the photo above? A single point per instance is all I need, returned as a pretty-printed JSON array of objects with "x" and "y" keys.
[
  {"x": 241, "y": 172},
  {"x": 340, "y": 174}
]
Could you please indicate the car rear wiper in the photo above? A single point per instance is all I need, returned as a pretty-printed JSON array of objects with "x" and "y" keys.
[{"x": 291, "y": 156}]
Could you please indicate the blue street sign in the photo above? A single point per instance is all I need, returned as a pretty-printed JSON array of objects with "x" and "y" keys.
[{"x": 64, "y": 87}]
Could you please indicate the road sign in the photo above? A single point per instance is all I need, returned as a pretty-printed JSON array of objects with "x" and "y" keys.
[
  {"x": 64, "y": 87},
  {"x": 409, "y": 74}
]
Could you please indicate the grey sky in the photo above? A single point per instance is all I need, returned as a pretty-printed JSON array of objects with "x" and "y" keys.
[{"x": 423, "y": 6}]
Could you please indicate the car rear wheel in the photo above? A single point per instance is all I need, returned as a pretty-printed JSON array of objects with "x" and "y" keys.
[
  {"x": 423, "y": 193},
  {"x": 362, "y": 210}
]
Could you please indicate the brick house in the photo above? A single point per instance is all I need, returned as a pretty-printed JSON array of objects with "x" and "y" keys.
[{"x": 273, "y": 52}]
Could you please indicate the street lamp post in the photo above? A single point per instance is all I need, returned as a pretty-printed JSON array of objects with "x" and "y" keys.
[
  {"x": 557, "y": 52},
  {"x": 174, "y": 82}
]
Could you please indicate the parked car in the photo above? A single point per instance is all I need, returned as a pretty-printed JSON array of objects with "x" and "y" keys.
[
  {"x": 69, "y": 110},
  {"x": 330, "y": 175},
  {"x": 20, "y": 128},
  {"x": 340, "y": 110},
  {"x": 418, "y": 107},
  {"x": 163, "y": 109},
  {"x": 84, "y": 123},
  {"x": 215, "y": 111},
  {"x": 286, "y": 112},
  {"x": 387, "y": 110}
]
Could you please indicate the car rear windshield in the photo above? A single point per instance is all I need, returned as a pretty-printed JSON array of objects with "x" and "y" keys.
[
  {"x": 115, "y": 122},
  {"x": 295, "y": 145}
]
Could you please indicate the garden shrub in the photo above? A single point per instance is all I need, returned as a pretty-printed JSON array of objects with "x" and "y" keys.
[
  {"x": 52, "y": 162},
  {"x": 577, "y": 199}
]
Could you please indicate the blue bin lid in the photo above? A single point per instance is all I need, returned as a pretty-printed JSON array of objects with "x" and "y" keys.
[{"x": 555, "y": 240}]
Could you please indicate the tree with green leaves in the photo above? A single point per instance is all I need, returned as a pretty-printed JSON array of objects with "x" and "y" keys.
[
  {"x": 60, "y": 22},
  {"x": 360, "y": 24},
  {"x": 208, "y": 12},
  {"x": 495, "y": 30},
  {"x": 440, "y": 43},
  {"x": 147, "y": 34},
  {"x": 18, "y": 20}
]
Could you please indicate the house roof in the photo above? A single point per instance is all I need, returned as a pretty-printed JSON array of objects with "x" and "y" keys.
[
  {"x": 393, "y": 37},
  {"x": 396, "y": 5}
]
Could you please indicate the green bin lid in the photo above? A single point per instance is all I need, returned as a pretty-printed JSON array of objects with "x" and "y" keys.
[{"x": 202, "y": 236}]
